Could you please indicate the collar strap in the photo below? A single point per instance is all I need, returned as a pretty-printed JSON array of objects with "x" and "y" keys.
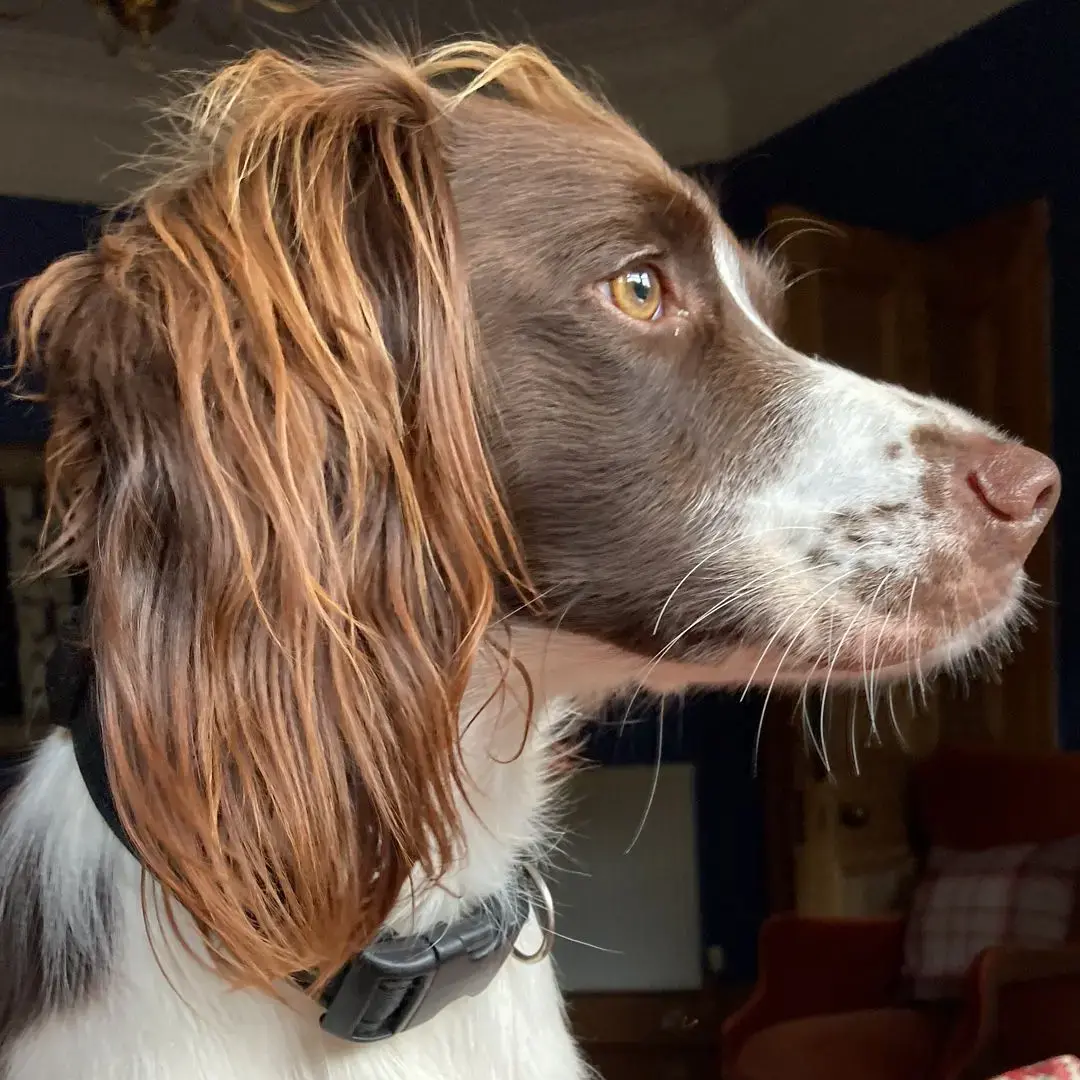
[{"x": 397, "y": 982}]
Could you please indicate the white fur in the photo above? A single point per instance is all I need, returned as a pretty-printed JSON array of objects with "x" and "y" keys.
[
  {"x": 184, "y": 1024},
  {"x": 730, "y": 270},
  {"x": 847, "y": 424}
]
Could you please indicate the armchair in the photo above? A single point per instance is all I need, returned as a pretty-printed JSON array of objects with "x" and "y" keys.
[{"x": 830, "y": 1000}]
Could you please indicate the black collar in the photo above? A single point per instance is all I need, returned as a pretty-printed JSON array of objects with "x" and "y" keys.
[{"x": 394, "y": 984}]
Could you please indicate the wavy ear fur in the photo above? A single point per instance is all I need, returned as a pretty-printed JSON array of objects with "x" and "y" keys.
[{"x": 266, "y": 452}]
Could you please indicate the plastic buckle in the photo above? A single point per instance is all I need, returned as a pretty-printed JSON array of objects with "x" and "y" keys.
[{"x": 398, "y": 983}]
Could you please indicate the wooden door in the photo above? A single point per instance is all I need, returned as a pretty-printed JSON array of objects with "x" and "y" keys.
[
  {"x": 988, "y": 318},
  {"x": 964, "y": 317}
]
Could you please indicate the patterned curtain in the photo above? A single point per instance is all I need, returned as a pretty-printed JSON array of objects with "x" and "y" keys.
[{"x": 40, "y": 605}]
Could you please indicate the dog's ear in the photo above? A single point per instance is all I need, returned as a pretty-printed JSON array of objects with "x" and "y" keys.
[{"x": 266, "y": 451}]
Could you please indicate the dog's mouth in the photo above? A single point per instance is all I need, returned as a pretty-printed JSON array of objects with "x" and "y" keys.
[
  {"x": 983, "y": 642},
  {"x": 919, "y": 644}
]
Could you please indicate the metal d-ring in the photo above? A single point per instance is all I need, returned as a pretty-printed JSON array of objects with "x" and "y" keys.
[{"x": 545, "y": 915}]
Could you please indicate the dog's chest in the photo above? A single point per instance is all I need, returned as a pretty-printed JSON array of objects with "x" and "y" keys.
[
  {"x": 516, "y": 1029},
  {"x": 186, "y": 1024}
]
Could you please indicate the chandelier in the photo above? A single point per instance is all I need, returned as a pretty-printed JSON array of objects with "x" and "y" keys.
[{"x": 138, "y": 22}]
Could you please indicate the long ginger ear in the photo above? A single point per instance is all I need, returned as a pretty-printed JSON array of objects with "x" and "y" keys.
[{"x": 266, "y": 452}]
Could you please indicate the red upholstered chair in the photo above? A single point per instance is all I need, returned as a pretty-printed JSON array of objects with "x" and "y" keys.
[{"x": 830, "y": 1001}]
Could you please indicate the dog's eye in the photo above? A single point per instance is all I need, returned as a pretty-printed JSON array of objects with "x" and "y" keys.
[{"x": 637, "y": 292}]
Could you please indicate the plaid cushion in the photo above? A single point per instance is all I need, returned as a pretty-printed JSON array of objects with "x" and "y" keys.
[
  {"x": 1062, "y": 1068},
  {"x": 968, "y": 901}
]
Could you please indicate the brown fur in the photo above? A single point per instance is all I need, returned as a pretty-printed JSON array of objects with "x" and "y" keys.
[
  {"x": 266, "y": 447},
  {"x": 344, "y": 389}
]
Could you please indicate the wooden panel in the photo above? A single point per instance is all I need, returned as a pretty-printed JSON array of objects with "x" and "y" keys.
[
  {"x": 21, "y": 463},
  {"x": 782, "y": 810},
  {"x": 653, "y": 1063},
  {"x": 963, "y": 317},
  {"x": 856, "y": 296}
]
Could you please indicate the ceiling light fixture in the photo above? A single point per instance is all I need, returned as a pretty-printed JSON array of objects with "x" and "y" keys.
[{"x": 138, "y": 22}]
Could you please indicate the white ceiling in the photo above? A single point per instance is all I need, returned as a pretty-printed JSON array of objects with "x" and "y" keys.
[
  {"x": 433, "y": 18},
  {"x": 704, "y": 79}
]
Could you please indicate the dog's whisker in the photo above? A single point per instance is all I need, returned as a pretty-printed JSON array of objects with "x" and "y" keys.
[
  {"x": 587, "y": 944},
  {"x": 658, "y": 658},
  {"x": 524, "y": 606},
  {"x": 897, "y": 730},
  {"x": 836, "y": 656},
  {"x": 713, "y": 554},
  {"x": 874, "y": 669},
  {"x": 909, "y": 643},
  {"x": 870, "y": 669},
  {"x": 655, "y": 779},
  {"x": 804, "y": 276},
  {"x": 807, "y": 725},
  {"x": 779, "y": 630},
  {"x": 832, "y": 666},
  {"x": 780, "y": 663},
  {"x": 853, "y": 734}
]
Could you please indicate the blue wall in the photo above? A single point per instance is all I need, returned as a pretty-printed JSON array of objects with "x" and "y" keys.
[
  {"x": 987, "y": 120},
  {"x": 33, "y": 232}
]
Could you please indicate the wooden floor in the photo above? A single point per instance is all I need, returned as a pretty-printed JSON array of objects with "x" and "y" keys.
[{"x": 654, "y": 1036}]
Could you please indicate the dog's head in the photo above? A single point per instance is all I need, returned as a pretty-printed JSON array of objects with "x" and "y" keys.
[
  {"x": 682, "y": 482},
  {"x": 375, "y": 362}
]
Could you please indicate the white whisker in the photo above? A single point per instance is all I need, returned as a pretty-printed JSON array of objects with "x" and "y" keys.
[
  {"x": 828, "y": 676},
  {"x": 655, "y": 779},
  {"x": 908, "y": 642},
  {"x": 715, "y": 553},
  {"x": 820, "y": 747},
  {"x": 895, "y": 722},
  {"x": 783, "y": 656},
  {"x": 658, "y": 658},
  {"x": 853, "y": 733},
  {"x": 874, "y": 665},
  {"x": 587, "y": 944},
  {"x": 780, "y": 628},
  {"x": 868, "y": 670}
]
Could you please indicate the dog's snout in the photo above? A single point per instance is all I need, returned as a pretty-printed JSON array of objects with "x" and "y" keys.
[{"x": 1008, "y": 484}]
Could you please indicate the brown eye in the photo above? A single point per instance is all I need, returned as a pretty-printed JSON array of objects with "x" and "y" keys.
[{"x": 637, "y": 293}]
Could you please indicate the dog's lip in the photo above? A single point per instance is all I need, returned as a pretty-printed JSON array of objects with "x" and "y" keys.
[
  {"x": 968, "y": 639},
  {"x": 759, "y": 666}
]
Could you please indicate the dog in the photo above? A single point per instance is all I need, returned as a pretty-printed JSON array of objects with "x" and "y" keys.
[{"x": 416, "y": 409}]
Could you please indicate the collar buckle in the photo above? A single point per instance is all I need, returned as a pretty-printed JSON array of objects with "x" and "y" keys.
[{"x": 399, "y": 982}]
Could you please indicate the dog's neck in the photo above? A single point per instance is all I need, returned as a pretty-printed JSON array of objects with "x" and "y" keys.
[
  {"x": 527, "y": 695},
  {"x": 58, "y": 856}
]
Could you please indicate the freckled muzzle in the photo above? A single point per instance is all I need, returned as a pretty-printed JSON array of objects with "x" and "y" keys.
[
  {"x": 990, "y": 500},
  {"x": 895, "y": 536}
]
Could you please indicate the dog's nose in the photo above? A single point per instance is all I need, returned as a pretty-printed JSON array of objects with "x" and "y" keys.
[{"x": 1011, "y": 486}]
